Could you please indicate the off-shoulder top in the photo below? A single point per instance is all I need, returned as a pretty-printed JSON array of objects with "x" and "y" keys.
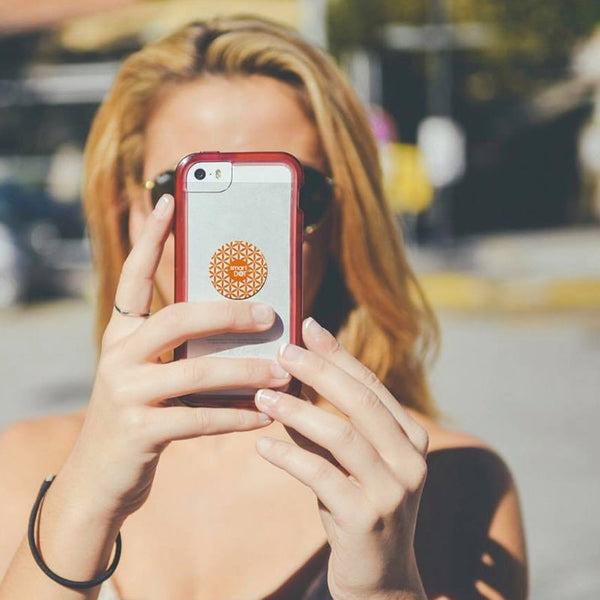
[{"x": 316, "y": 590}]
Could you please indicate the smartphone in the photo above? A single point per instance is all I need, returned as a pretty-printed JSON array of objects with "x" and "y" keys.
[{"x": 238, "y": 236}]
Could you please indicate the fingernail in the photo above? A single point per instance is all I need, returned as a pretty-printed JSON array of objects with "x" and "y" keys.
[
  {"x": 264, "y": 418},
  {"x": 262, "y": 313},
  {"x": 267, "y": 398},
  {"x": 160, "y": 210},
  {"x": 314, "y": 328},
  {"x": 264, "y": 443},
  {"x": 278, "y": 371},
  {"x": 290, "y": 352}
]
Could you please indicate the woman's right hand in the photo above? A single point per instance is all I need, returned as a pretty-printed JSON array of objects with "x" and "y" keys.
[{"x": 129, "y": 421}]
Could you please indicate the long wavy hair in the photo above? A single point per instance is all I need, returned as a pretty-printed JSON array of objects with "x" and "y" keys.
[{"x": 370, "y": 297}]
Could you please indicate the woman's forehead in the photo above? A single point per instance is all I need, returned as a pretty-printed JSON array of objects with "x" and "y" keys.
[{"x": 233, "y": 114}]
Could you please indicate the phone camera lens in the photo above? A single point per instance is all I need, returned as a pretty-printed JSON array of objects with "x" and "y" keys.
[{"x": 199, "y": 174}]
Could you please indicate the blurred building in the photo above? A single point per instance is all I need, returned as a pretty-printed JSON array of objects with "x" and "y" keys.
[
  {"x": 496, "y": 73},
  {"x": 57, "y": 61},
  {"x": 516, "y": 125}
]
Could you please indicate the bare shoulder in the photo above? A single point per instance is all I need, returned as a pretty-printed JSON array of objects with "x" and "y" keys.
[
  {"x": 29, "y": 450},
  {"x": 455, "y": 454},
  {"x": 470, "y": 507},
  {"x": 38, "y": 442},
  {"x": 443, "y": 438}
]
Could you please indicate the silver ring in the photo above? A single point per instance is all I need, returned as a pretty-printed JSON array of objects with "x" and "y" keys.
[{"x": 127, "y": 313}]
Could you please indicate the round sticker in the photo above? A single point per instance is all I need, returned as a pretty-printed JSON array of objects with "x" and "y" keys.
[{"x": 238, "y": 270}]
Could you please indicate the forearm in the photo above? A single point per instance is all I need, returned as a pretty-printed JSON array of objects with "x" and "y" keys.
[{"x": 75, "y": 540}]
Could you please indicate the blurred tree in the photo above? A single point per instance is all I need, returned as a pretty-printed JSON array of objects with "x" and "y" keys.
[
  {"x": 531, "y": 44},
  {"x": 358, "y": 22},
  {"x": 522, "y": 169}
]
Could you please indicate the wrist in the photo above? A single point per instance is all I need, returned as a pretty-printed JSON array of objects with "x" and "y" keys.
[
  {"x": 56, "y": 537},
  {"x": 411, "y": 587},
  {"x": 80, "y": 502},
  {"x": 74, "y": 540}
]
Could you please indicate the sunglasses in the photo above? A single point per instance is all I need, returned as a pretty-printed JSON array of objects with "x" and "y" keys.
[{"x": 316, "y": 193}]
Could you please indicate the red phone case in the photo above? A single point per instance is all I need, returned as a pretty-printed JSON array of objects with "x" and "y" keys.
[{"x": 181, "y": 258}]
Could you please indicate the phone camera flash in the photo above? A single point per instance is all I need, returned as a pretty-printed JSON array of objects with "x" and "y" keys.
[{"x": 218, "y": 173}]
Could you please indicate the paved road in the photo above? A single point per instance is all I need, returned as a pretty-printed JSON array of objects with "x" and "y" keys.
[
  {"x": 46, "y": 358},
  {"x": 529, "y": 385}
]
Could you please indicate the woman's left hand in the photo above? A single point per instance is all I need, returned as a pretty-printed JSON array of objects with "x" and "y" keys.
[{"x": 367, "y": 470}]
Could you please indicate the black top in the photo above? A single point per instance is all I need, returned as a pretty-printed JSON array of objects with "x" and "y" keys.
[{"x": 452, "y": 546}]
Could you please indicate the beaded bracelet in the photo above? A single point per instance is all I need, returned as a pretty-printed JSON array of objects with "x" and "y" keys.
[{"x": 69, "y": 583}]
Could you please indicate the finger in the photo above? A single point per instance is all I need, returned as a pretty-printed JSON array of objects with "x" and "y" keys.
[
  {"x": 134, "y": 292},
  {"x": 339, "y": 495},
  {"x": 353, "y": 399},
  {"x": 321, "y": 342},
  {"x": 336, "y": 434},
  {"x": 208, "y": 373},
  {"x": 176, "y": 323},
  {"x": 181, "y": 423}
]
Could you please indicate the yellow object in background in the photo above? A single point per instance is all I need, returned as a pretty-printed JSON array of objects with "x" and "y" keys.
[{"x": 407, "y": 186}]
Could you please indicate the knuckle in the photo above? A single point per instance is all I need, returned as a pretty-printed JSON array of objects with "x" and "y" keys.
[
  {"x": 115, "y": 386},
  {"x": 132, "y": 419},
  {"x": 417, "y": 474},
  {"x": 121, "y": 390},
  {"x": 203, "y": 419},
  {"x": 285, "y": 451},
  {"x": 346, "y": 434},
  {"x": 194, "y": 370},
  {"x": 288, "y": 409},
  {"x": 255, "y": 370},
  {"x": 395, "y": 499},
  {"x": 230, "y": 314},
  {"x": 126, "y": 347},
  {"x": 369, "y": 378},
  {"x": 282, "y": 451},
  {"x": 109, "y": 335},
  {"x": 169, "y": 316},
  {"x": 245, "y": 419},
  {"x": 106, "y": 374},
  {"x": 318, "y": 364},
  {"x": 129, "y": 269},
  {"x": 334, "y": 346},
  {"x": 110, "y": 359},
  {"x": 367, "y": 399},
  {"x": 421, "y": 440},
  {"x": 321, "y": 471}
]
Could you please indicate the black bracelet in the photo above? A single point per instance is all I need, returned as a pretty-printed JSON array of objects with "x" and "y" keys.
[{"x": 69, "y": 583}]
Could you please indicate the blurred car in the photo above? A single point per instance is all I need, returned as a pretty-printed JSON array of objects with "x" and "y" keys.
[{"x": 34, "y": 231}]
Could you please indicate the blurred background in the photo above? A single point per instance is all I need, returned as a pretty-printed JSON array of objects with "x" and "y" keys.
[{"x": 488, "y": 117}]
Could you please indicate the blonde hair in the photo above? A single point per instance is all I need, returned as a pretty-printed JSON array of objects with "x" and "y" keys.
[{"x": 371, "y": 298}]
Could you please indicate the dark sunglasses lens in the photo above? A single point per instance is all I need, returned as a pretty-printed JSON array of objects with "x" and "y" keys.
[
  {"x": 163, "y": 184},
  {"x": 315, "y": 196}
]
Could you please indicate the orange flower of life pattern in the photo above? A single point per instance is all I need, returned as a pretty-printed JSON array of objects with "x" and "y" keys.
[{"x": 238, "y": 270}]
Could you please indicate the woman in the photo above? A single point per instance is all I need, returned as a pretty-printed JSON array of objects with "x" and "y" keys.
[{"x": 208, "y": 516}]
